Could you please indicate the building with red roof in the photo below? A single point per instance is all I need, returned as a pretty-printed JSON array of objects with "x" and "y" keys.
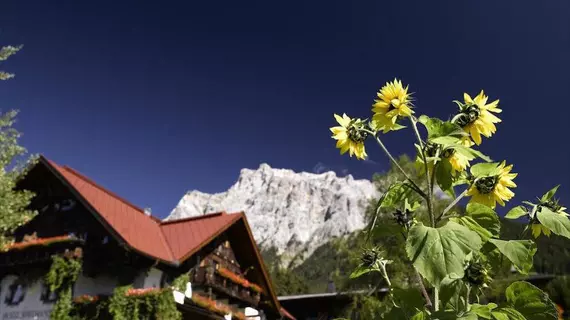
[{"x": 120, "y": 243}]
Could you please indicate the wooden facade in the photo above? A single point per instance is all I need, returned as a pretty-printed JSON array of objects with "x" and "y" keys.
[{"x": 78, "y": 217}]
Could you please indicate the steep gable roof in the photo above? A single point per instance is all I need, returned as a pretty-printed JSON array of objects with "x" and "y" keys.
[
  {"x": 128, "y": 222},
  {"x": 169, "y": 241},
  {"x": 186, "y": 236}
]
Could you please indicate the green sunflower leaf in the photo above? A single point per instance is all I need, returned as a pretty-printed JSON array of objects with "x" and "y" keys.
[
  {"x": 531, "y": 302},
  {"x": 496, "y": 260},
  {"x": 422, "y": 315},
  {"x": 483, "y": 310},
  {"x": 473, "y": 226},
  {"x": 481, "y": 219},
  {"x": 485, "y": 169},
  {"x": 519, "y": 252},
  {"x": 547, "y": 196},
  {"x": 470, "y": 153},
  {"x": 409, "y": 298},
  {"x": 452, "y": 315},
  {"x": 557, "y": 223},
  {"x": 451, "y": 287},
  {"x": 516, "y": 212},
  {"x": 438, "y": 128},
  {"x": 443, "y": 174},
  {"x": 485, "y": 217},
  {"x": 438, "y": 252},
  {"x": 507, "y": 314},
  {"x": 446, "y": 141},
  {"x": 455, "y": 143},
  {"x": 394, "y": 197},
  {"x": 362, "y": 270}
]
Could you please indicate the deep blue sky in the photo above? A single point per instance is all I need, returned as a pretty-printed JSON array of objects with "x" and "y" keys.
[{"x": 154, "y": 99}]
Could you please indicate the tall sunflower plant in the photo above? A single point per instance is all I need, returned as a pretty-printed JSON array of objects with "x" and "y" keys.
[{"x": 454, "y": 253}]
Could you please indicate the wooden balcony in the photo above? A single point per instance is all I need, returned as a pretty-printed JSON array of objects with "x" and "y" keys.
[
  {"x": 32, "y": 254},
  {"x": 209, "y": 278}
]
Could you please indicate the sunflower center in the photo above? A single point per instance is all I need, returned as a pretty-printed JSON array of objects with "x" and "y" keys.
[
  {"x": 468, "y": 115},
  {"x": 448, "y": 152},
  {"x": 487, "y": 184},
  {"x": 394, "y": 103},
  {"x": 356, "y": 135}
]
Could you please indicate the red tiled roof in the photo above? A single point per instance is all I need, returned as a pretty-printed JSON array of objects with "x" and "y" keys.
[
  {"x": 168, "y": 241},
  {"x": 185, "y": 236}
]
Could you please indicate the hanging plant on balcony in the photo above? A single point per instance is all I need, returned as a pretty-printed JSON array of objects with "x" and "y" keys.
[
  {"x": 39, "y": 242},
  {"x": 238, "y": 279},
  {"x": 212, "y": 305},
  {"x": 60, "y": 279},
  {"x": 147, "y": 303},
  {"x": 180, "y": 283}
]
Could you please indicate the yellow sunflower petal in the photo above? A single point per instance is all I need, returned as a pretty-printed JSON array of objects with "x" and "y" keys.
[
  {"x": 475, "y": 134},
  {"x": 536, "y": 228},
  {"x": 467, "y": 98}
]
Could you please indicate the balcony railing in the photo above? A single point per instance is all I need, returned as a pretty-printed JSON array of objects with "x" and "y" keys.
[{"x": 208, "y": 277}]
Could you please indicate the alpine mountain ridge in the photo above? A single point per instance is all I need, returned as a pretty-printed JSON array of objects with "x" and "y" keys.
[{"x": 294, "y": 213}]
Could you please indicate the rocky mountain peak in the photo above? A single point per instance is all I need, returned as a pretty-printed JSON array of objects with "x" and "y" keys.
[{"x": 292, "y": 212}]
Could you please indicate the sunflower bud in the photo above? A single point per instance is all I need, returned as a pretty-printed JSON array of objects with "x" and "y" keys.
[
  {"x": 371, "y": 257},
  {"x": 403, "y": 218},
  {"x": 448, "y": 152},
  {"x": 431, "y": 149},
  {"x": 476, "y": 274},
  {"x": 552, "y": 204}
]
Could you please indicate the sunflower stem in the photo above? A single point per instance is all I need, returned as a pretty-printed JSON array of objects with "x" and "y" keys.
[
  {"x": 423, "y": 288},
  {"x": 429, "y": 183},
  {"x": 414, "y": 185},
  {"x": 452, "y": 204},
  {"x": 435, "y": 299},
  {"x": 523, "y": 233},
  {"x": 467, "y": 294}
]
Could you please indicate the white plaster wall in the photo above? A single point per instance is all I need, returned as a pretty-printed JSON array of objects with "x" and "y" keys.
[
  {"x": 94, "y": 286},
  {"x": 31, "y": 308},
  {"x": 152, "y": 279}
]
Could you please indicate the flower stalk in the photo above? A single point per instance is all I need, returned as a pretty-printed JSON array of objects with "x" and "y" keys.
[{"x": 393, "y": 160}]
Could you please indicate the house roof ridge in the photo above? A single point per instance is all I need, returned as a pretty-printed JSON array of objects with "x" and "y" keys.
[
  {"x": 193, "y": 218},
  {"x": 107, "y": 191}
]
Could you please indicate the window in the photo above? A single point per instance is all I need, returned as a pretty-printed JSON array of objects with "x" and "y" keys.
[
  {"x": 16, "y": 293},
  {"x": 67, "y": 205},
  {"x": 47, "y": 296}
]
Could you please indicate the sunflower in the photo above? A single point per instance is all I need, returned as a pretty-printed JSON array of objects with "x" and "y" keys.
[
  {"x": 476, "y": 116},
  {"x": 553, "y": 206},
  {"x": 349, "y": 136},
  {"x": 393, "y": 101},
  {"x": 458, "y": 161},
  {"x": 492, "y": 189}
]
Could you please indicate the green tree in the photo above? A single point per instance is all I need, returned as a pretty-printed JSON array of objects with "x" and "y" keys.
[
  {"x": 5, "y": 53},
  {"x": 14, "y": 203}
]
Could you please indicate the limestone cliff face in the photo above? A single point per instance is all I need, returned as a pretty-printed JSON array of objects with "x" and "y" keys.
[{"x": 293, "y": 212}]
